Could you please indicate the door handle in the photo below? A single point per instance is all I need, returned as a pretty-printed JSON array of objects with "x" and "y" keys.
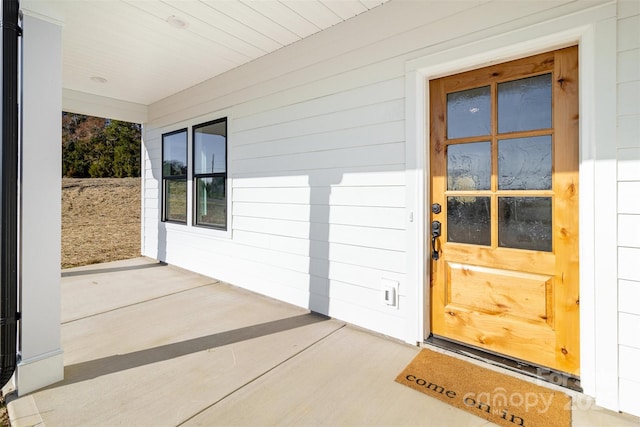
[{"x": 436, "y": 229}]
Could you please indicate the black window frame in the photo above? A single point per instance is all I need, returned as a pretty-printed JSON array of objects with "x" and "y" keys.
[
  {"x": 197, "y": 176},
  {"x": 167, "y": 178}
]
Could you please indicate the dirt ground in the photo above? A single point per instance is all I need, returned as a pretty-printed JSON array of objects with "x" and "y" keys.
[{"x": 100, "y": 220}]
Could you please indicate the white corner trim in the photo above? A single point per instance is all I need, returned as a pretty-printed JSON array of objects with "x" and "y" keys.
[
  {"x": 36, "y": 373},
  {"x": 416, "y": 161},
  {"x": 594, "y": 31},
  {"x": 598, "y": 244}
]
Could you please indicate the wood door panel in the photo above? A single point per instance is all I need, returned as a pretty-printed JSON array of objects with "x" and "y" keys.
[
  {"x": 509, "y": 259},
  {"x": 501, "y": 334},
  {"x": 503, "y": 295},
  {"x": 522, "y": 296}
]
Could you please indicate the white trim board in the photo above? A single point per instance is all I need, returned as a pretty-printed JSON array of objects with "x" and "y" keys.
[
  {"x": 74, "y": 101},
  {"x": 594, "y": 30}
]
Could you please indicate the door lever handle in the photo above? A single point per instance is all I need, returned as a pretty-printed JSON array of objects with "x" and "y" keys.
[{"x": 436, "y": 228}]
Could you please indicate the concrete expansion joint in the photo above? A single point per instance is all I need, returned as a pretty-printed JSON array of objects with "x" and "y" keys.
[
  {"x": 288, "y": 359},
  {"x": 139, "y": 302}
]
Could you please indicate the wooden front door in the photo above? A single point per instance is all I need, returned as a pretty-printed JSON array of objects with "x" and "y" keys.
[{"x": 504, "y": 201}]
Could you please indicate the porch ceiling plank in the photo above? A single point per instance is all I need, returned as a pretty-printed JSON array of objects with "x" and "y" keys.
[
  {"x": 314, "y": 11},
  {"x": 242, "y": 31},
  {"x": 293, "y": 21},
  {"x": 240, "y": 12},
  {"x": 144, "y": 59},
  {"x": 199, "y": 28},
  {"x": 191, "y": 40},
  {"x": 345, "y": 9}
]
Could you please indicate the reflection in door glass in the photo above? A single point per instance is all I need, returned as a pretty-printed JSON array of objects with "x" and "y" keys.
[
  {"x": 525, "y": 223},
  {"x": 469, "y": 166},
  {"x": 469, "y": 113},
  {"x": 524, "y": 163},
  {"x": 469, "y": 220},
  {"x": 524, "y": 104}
]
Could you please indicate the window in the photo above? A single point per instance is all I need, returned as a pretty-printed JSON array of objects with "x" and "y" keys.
[
  {"x": 210, "y": 174},
  {"x": 174, "y": 176}
]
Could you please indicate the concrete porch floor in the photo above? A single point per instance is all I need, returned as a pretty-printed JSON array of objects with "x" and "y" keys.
[{"x": 147, "y": 344}]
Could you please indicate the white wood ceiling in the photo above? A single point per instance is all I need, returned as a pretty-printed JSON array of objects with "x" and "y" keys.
[{"x": 140, "y": 48}]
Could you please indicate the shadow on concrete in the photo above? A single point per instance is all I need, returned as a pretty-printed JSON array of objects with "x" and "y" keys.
[
  {"x": 108, "y": 365},
  {"x": 111, "y": 270}
]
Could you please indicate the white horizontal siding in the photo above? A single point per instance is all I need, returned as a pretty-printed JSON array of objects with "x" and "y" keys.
[
  {"x": 628, "y": 95},
  {"x": 629, "y": 365},
  {"x": 381, "y": 238},
  {"x": 628, "y": 65},
  {"x": 629, "y": 327},
  {"x": 342, "y": 215},
  {"x": 365, "y": 277},
  {"x": 628, "y": 200},
  {"x": 629, "y": 392},
  {"x": 374, "y": 93},
  {"x": 628, "y": 261},
  {"x": 628, "y": 297},
  {"x": 628, "y": 131},
  {"x": 628, "y": 110},
  {"x": 629, "y": 230},
  {"x": 628, "y": 8},
  {"x": 629, "y": 163},
  {"x": 628, "y": 33},
  {"x": 394, "y": 175},
  {"x": 366, "y": 115},
  {"x": 384, "y": 154},
  {"x": 374, "y": 134},
  {"x": 392, "y": 196}
]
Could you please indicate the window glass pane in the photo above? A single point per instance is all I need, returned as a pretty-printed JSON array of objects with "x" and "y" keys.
[
  {"x": 525, "y": 223},
  {"x": 175, "y": 200},
  {"x": 469, "y": 220},
  {"x": 469, "y": 166},
  {"x": 524, "y": 104},
  {"x": 469, "y": 113},
  {"x": 211, "y": 201},
  {"x": 174, "y": 152},
  {"x": 209, "y": 148},
  {"x": 524, "y": 163}
]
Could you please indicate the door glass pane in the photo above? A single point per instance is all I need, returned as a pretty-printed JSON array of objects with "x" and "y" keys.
[
  {"x": 469, "y": 113},
  {"x": 525, "y": 223},
  {"x": 469, "y": 220},
  {"x": 469, "y": 166},
  {"x": 211, "y": 201},
  {"x": 524, "y": 104},
  {"x": 524, "y": 163}
]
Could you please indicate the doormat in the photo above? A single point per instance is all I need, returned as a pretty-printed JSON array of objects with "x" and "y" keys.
[{"x": 499, "y": 398}]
